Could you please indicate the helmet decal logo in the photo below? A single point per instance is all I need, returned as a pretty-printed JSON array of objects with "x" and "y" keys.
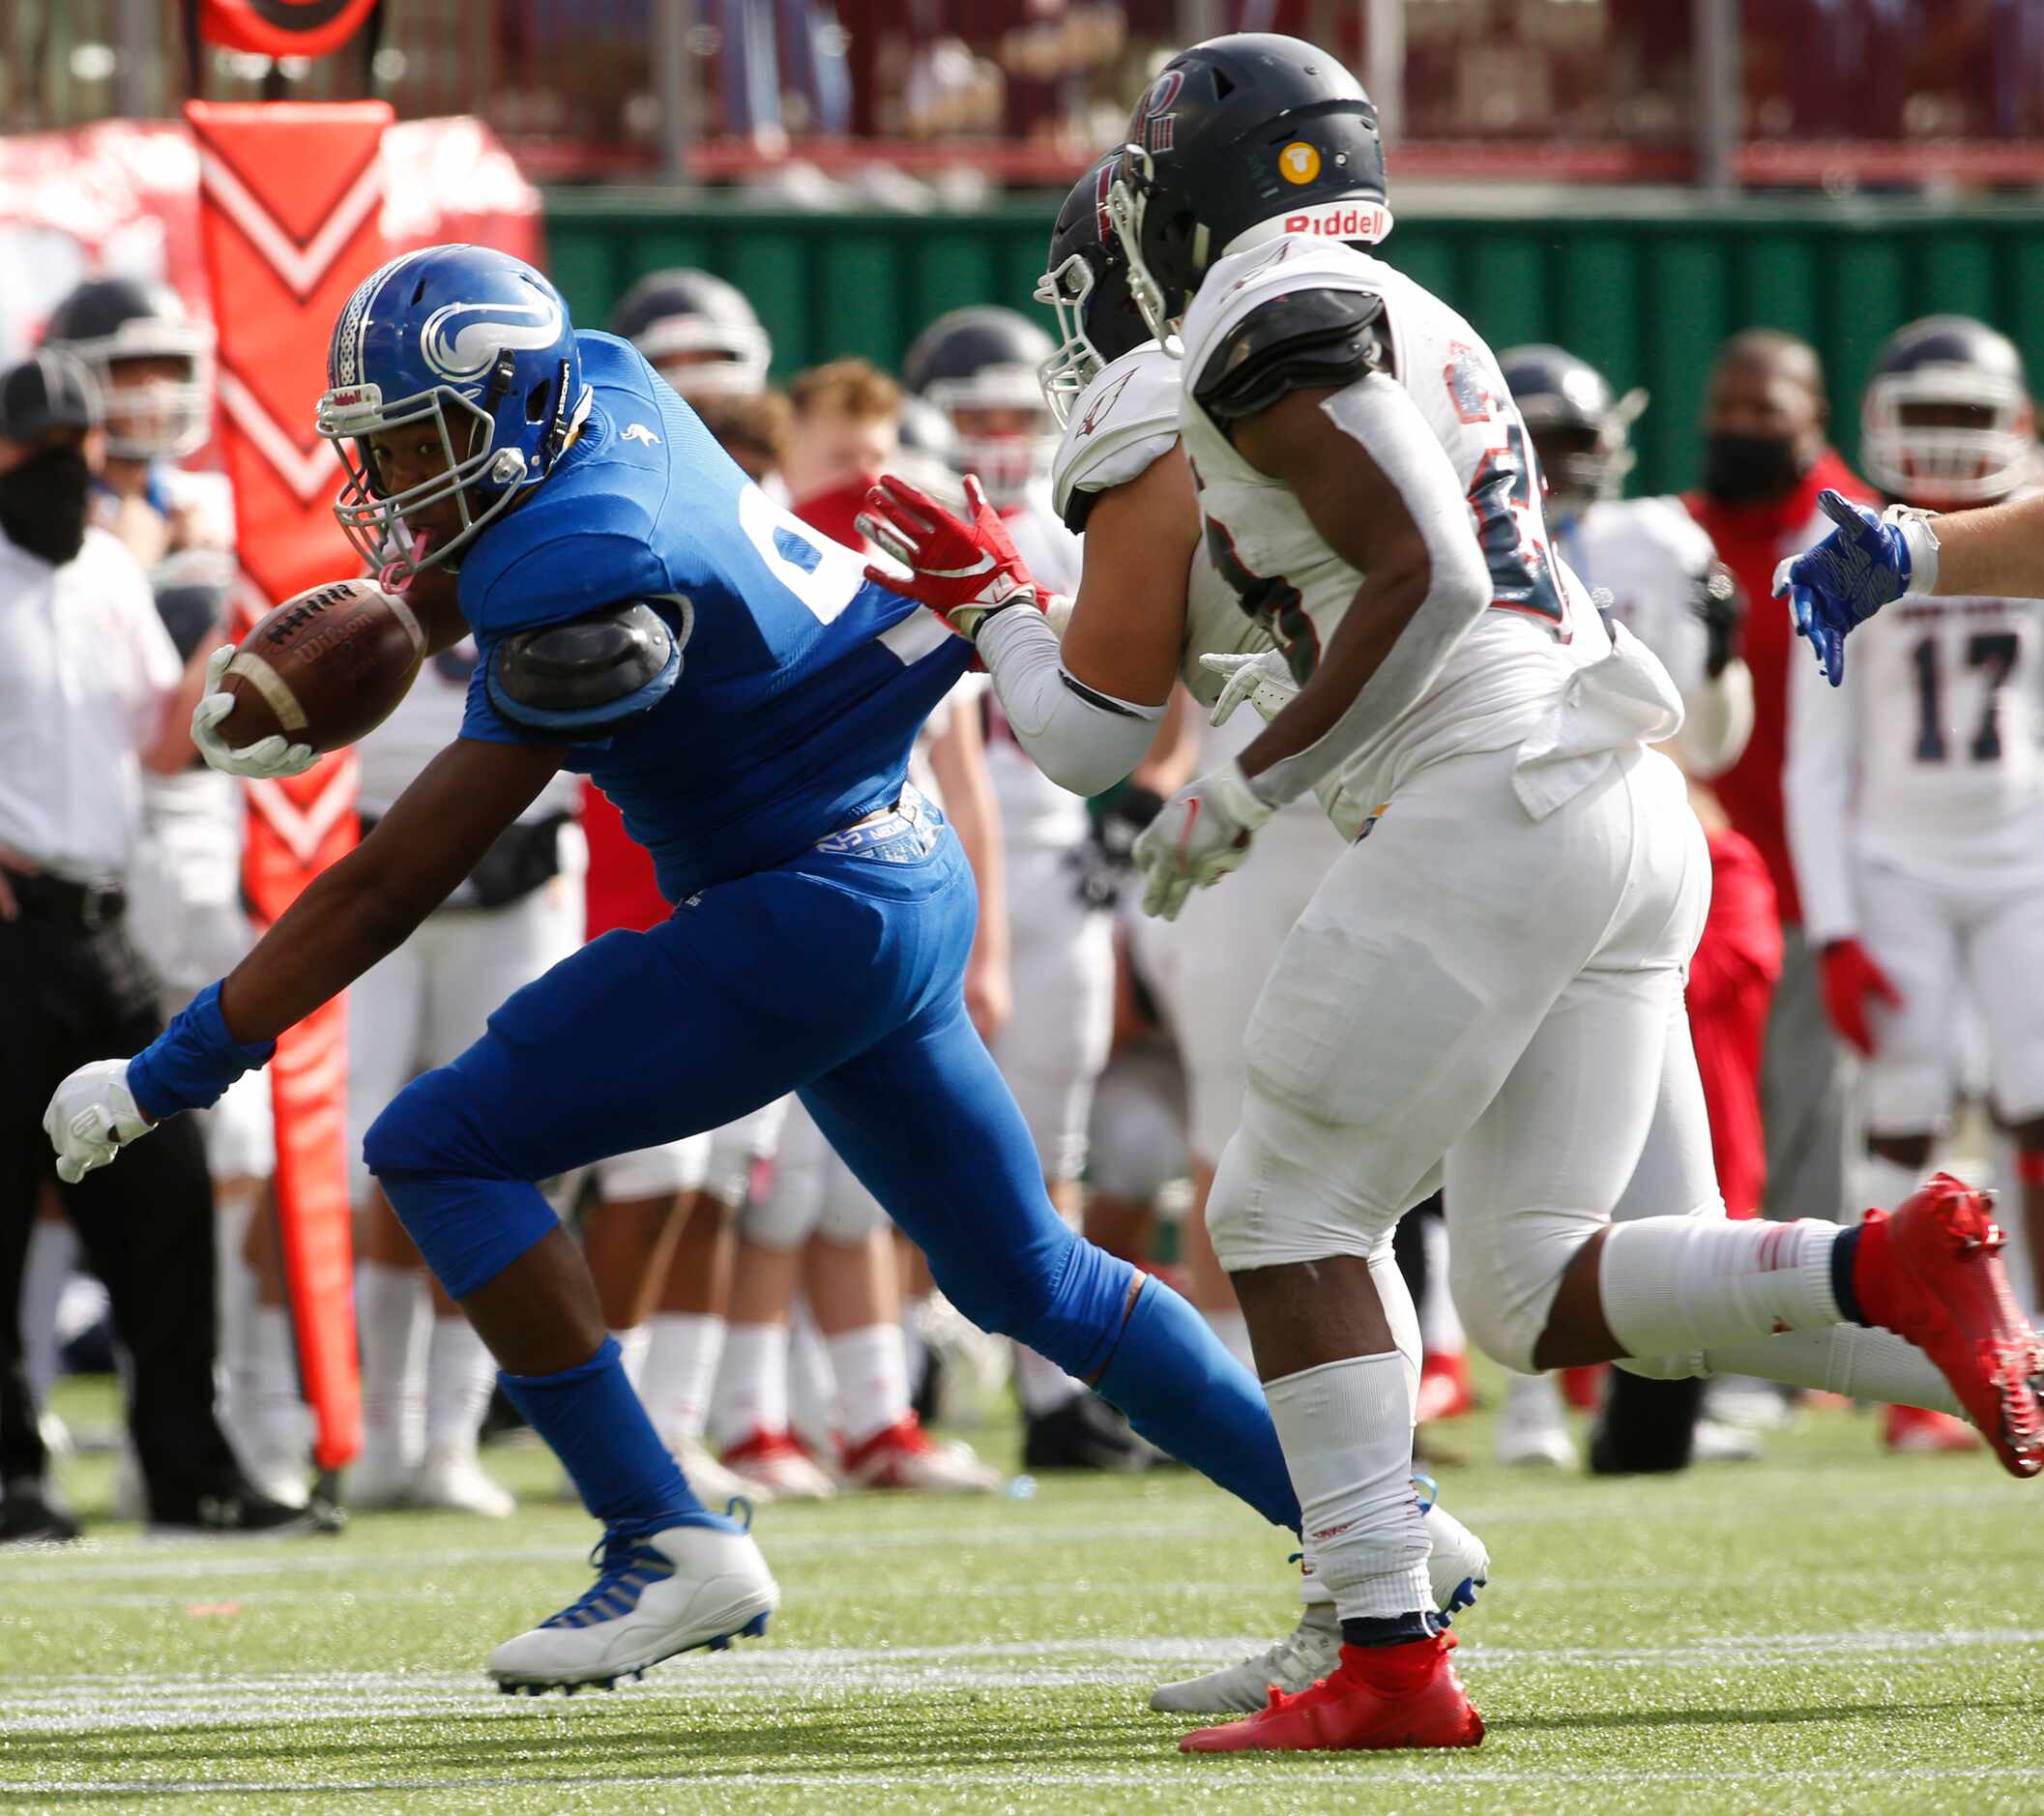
[
  {"x": 1103, "y": 182},
  {"x": 460, "y": 339},
  {"x": 1154, "y": 121},
  {"x": 1298, "y": 163}
]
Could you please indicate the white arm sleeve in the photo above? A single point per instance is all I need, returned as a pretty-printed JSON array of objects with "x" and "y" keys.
[
  {"x": 1816, "y": 785},
  {"x": 1717, "y": 720},
  {"x": 1378, "y": 412},
  {"x": 1082, "y": 739}
]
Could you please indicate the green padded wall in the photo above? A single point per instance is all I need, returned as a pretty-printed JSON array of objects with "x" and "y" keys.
[{"x": 1644, "y": 285}]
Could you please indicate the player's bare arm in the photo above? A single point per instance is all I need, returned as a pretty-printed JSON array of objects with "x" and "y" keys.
[
  {"x": 370, "y": 903},
  {"x": 1995, "y": 552},
  {"x": 1365, "y": 519},
  {"x": 1129, "y": 623}
]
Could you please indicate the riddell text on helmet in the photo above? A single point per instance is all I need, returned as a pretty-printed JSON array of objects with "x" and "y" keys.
[{"x": 1342, "y": 221}]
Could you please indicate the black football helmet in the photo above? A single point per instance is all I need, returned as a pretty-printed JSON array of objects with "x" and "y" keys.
[
  {"x": 1582, "y": 432},
  {"x": 1085, "y": 287},
  {"x": 699, "y": 332},
  {"x": 1238, "y": 141},
  {"x": 1947, "y": 419},
  {"x": 108, "y": 322},
  {"x": 981, "y": 359}
]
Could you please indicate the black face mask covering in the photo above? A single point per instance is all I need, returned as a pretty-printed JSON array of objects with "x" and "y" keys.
[
  {"x": 1746, "y": 469},
  {"x": 43, "y": 502}
]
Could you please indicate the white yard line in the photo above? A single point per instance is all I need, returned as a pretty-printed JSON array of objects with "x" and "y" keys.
[{"x": 92, "y": 1704}]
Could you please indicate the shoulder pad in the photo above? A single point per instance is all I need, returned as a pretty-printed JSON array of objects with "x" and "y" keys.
[
  {"x": 1122, "y": 422},
  {"x": 1293, "y": 341},
  {"x": 588, "y": 677}
]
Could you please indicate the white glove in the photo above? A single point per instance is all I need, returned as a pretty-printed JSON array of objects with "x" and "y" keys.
[
  {"x": 267, "y": 758},
  {"x": 1263, "y": 680},
  {"x": 91, "y": 1118},
  {"x": 1198, "y": 837}
]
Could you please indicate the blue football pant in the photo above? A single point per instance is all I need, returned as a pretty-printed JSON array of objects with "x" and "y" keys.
[{"x": 837, "y": 974}]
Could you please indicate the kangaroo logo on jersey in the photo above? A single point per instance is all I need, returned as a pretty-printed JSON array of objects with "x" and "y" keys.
[
  {"x": 1298, "y": 163},
  {"x": 638, "y": 431},
  {"x": 460, "y": 339}
]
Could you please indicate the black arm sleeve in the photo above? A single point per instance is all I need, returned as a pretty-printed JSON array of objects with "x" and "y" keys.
[{"x": 1299, "y": 342}]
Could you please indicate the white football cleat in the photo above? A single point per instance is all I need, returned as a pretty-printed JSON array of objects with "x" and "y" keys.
[
  {"x": 379, "y": 1479},
  {"x": 1716, "y": 1442},
  {"x": 656, "y": 1595},
  {"x": 1306, "y": 1655},
  {"x": 774, "y": 1461},
  {"x": 1531, "y": 1430},
  {"x": 278, "y": 1475},
  {"x": 1459, "y": 1568},
  {"x": 1460, "y": 1564},
  {"x": 710, "y": 1482},
  {"x": 904, "y": 1456},
  {"x": 454, "y": 1481}
]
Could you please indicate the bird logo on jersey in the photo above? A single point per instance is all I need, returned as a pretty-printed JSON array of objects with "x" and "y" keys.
[
  {"x": 1104, "y": 406},
  {"x": 460, "y": 339}
]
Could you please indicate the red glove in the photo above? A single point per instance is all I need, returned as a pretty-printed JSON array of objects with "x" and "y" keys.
[
  {"x": 1850, "y": 978},
  {"x": 962, "y": 571}
]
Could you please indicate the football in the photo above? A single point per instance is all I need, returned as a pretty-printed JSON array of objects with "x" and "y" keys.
[{"x": 324, "y": 668}]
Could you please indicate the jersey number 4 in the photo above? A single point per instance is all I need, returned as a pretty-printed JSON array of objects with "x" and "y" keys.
[{"x": 1996, "y": 652}]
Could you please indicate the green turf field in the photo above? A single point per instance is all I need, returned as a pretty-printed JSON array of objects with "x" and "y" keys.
[{"x": 1832, "y": 1630}]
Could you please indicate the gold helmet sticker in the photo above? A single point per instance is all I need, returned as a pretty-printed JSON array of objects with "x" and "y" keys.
[{"x": 1298, "y": 163}]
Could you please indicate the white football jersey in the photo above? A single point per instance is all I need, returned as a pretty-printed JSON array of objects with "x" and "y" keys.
[
  {"x": 1125, "y": 420},
  {"x": 1511, "y": 681},
  {"x": 1924, "y": 761},
  {"x": 1648, "y": 554}
]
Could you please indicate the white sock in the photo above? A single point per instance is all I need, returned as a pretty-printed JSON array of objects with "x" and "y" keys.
[
  {"x": 1532, "y": 1399},
  {"x": 632, "y": 1346},
  {"x": 1678, "y": 1286},
  {"x": 1402, "y": 1315},
  {"x": 1846, "y": 1358},
  {"x": 754, "y": 1386},
  {"x": 1347, "y": 1434},
  {"x": 1888, "y": 1182},
  {"x": 52, "y": 1258},
  {"x": 681, "y": 1355},
  {"x": 871, "y": 1370},
  {"x": 812, "y": 1392},
  {"x": 1441, "y": 1329},
  {"x": 1041, "y": 1385},
  {"x": 391, "y": 1318},
  {"x": 1233, "y": 1330},
  {"x": 913, "y": 1346},
  {"x": 460, "y": 1374},
  {"x": 277, "y": 1423}
]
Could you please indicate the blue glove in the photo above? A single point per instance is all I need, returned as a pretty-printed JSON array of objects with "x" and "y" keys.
[{"x": 1844, "y": 581}]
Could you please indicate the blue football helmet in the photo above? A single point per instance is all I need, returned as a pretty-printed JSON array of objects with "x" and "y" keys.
[{"x": 479, "y": 344}]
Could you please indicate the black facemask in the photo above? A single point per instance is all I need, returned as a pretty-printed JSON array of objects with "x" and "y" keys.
[
  {"x": 43, "y": 502},
  {"x": 1746, "y": 469}
]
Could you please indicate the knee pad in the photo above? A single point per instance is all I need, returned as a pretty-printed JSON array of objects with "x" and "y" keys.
[
  {"x": 849, "y": 1214},
  {"x": 1137, "y": 1140},
  {"x": 785, "y": 1216},
  {"x": 411, "y": 1134},
  {"x": 1505, "y": 1288}
]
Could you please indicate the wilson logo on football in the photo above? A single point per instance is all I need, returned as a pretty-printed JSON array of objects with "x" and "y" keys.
[
  {"x": 460, "y": 339},
  {"x": 1367, "y": 221}
]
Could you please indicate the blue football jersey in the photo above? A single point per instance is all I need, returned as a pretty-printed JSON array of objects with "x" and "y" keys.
[{"x": 803, "y": 684}]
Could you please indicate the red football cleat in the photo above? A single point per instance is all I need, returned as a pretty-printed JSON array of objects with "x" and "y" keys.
[
  {"x": 1391, "y": 1696},
  {"x": 1929, "y": 1271},
  {"x": 1443, "y": 1385},
  {"x": 1917, "y": 1431},
  {"x": 1584, "y": 1388}
]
